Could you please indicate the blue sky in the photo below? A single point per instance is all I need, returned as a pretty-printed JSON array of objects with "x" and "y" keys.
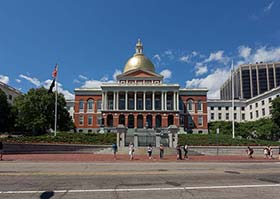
[{"x": 191, "y": 43}]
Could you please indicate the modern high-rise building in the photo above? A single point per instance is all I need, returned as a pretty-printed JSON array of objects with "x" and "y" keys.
[
  {"x": 140, "y": 99},
  {"x": 251, "y": 80}
]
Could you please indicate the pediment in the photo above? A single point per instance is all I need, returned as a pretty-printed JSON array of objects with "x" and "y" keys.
[{"x": 139, "y": 73}]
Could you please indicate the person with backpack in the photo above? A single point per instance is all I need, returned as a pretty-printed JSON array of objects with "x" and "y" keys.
[
  {"x": 150, "y": 151},
  {"x": 161, "y": 151},
  {"x": 115, "y": 149},
  {"x": 186, "y": 150},
  {"x": 250, "y": 152}
]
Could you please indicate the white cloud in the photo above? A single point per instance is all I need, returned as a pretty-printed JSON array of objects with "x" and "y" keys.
[
  {"x": 265, "y": 55},
  {"x": 200, "y": 70},
  {"x": 194, "y": 53},
  {"x": 116, "y": 73},
  {"x": 184, "y": 58},
  {"x": 67, "y": 94},
  {"x": 157, "y": 57},
  {"x": 166, "y": 74},
  {"x": 169, "y": 54},
  {"x": 92, "y": 84},
  {"x": 83, "y": 77},
  {"x": 18, "y": 80},
  {"x": 217, "y": 56},
  {"x": 4, "y": 79},
  {"x": 32, "y": 80},
  {"x": 269, "y": 7},
  {"x": 76, "y": 81},
  {"x": 244, "y": 51},
  {"x": 213, "y": 82}
]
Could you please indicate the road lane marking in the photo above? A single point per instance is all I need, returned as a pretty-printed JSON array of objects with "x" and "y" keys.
[{"x": 143, "y": 189}]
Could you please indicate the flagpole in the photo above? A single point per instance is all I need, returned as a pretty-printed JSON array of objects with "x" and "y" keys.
[
  {"x": 232, "y": 88},
  {"x": 55, "y": 106}
]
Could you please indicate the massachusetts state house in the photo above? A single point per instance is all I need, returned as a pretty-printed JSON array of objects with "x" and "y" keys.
[{"x": 140, "y": 99}]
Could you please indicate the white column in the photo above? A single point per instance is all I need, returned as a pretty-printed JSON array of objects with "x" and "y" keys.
[
  {"x": 177, "y": 100},
  {"x": 162, "y": 106},
  {"x": 135, "y": 100},
  {"x": 174, "y": 101},
  {"x": 103, "y": 101},
  {"x": 165, "y": 101},
  {"x": 106, "y": 104},
  {"x": 114, "y": 100},
  {"x": 117, "y": 106},
  {"x": 153, "y": 101},
  {"x": 126, "y": 100},
  {"x": 144, "y": 101}
]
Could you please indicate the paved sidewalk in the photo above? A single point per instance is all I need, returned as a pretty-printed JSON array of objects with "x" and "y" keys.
[{"x": 125, "y": 158}]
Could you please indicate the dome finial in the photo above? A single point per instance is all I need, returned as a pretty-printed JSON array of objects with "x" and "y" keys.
[{"x": 139, "y": 47}]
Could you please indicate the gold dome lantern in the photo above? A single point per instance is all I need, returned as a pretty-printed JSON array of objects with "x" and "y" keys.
[{"x": 139, "y": 61}]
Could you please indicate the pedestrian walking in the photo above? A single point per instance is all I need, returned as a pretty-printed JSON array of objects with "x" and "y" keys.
[
  {"x": 265, "y": 152},
  {"x": 161, "y": 151},
  {"x": 270, "y": 152},
  {"x": 131, "y": 151},
  {"x": 186, "y": 150},
  {"x": 150, "y": 151},
  {"x": 1, "y": 151},
  {"x": 250, "y": 152},
  {"x": 179, "y": 152},
  {"x": 115, "y": 150}
]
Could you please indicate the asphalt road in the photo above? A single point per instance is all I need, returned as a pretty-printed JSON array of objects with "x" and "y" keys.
[{"x": 139, "y": 180}]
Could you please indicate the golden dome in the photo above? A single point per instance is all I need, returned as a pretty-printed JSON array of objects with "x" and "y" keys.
[{"x": 139, "y": 61}]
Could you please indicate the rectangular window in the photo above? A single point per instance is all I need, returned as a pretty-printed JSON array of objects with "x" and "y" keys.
[
  {"x": 257, "y": 114},
  {"x": 212, "y": 116},
  {"x": 251, "y": 115},
  {"x": 81, "y": 106},
  {"x": 235, "y": 116},
  {"x": 131, "y": 103},
  {"x": 219, "y": 108},
  {"x": 99, "y": 120},
  {"x": 149, "y": 104},
  {"x": 110, "y": 104},
  {"x": 227, "y": 116},
  {"x": 251, "y": 107},
  {"x": 157, "y": 104},
  {"x": 99, "y": 105},
  {"x": 90, "y": 120},
  {"x": 200, "y": 120},
  {"x": 262, "y": 102},
  {"x": 190, "y": 121},
  {"x": 263, "y": 112},
  {"x": 256, "y": 104},
  {"x": 243, "y": 108},
  {"x": 199, "y": 106},
  {"x": 81, "y": 120},
  {"x": 227, "y": 108},
  {"x": 234, "y": 107},
  {"x": 220, "y": 116},
  {"x": 140, "y": 104},
  {"x": 212, "y": 108},
  {"x": 243, "y": 116},
  {"x": 269, "y": 99}
]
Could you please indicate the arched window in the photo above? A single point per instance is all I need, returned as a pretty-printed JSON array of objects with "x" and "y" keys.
[
  {"x": 170, "y": 120},
  {"x": 158, "y": 121},
  {"x": 199, "y": 105},
  {"x": 110, "y": 120},
  {"x": 190, "y": 105},
  {"x": 122, "y": 120},
  {"x": 81, "y": 106},
  {"x": 149, "y": 121},
  {"x": 130, "y": 121},
  {"x": 140, "y": 121},
  {"x": 90, "y": 104}
]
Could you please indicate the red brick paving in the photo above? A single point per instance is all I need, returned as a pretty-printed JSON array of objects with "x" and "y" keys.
[{"x": 125, "y": 158}]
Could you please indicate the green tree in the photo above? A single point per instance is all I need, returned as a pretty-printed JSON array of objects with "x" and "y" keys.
[
  {"x": 276, "y": 111},
  {"x": 35, "y": 112},
  {"x": 5, "y": 110}
]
